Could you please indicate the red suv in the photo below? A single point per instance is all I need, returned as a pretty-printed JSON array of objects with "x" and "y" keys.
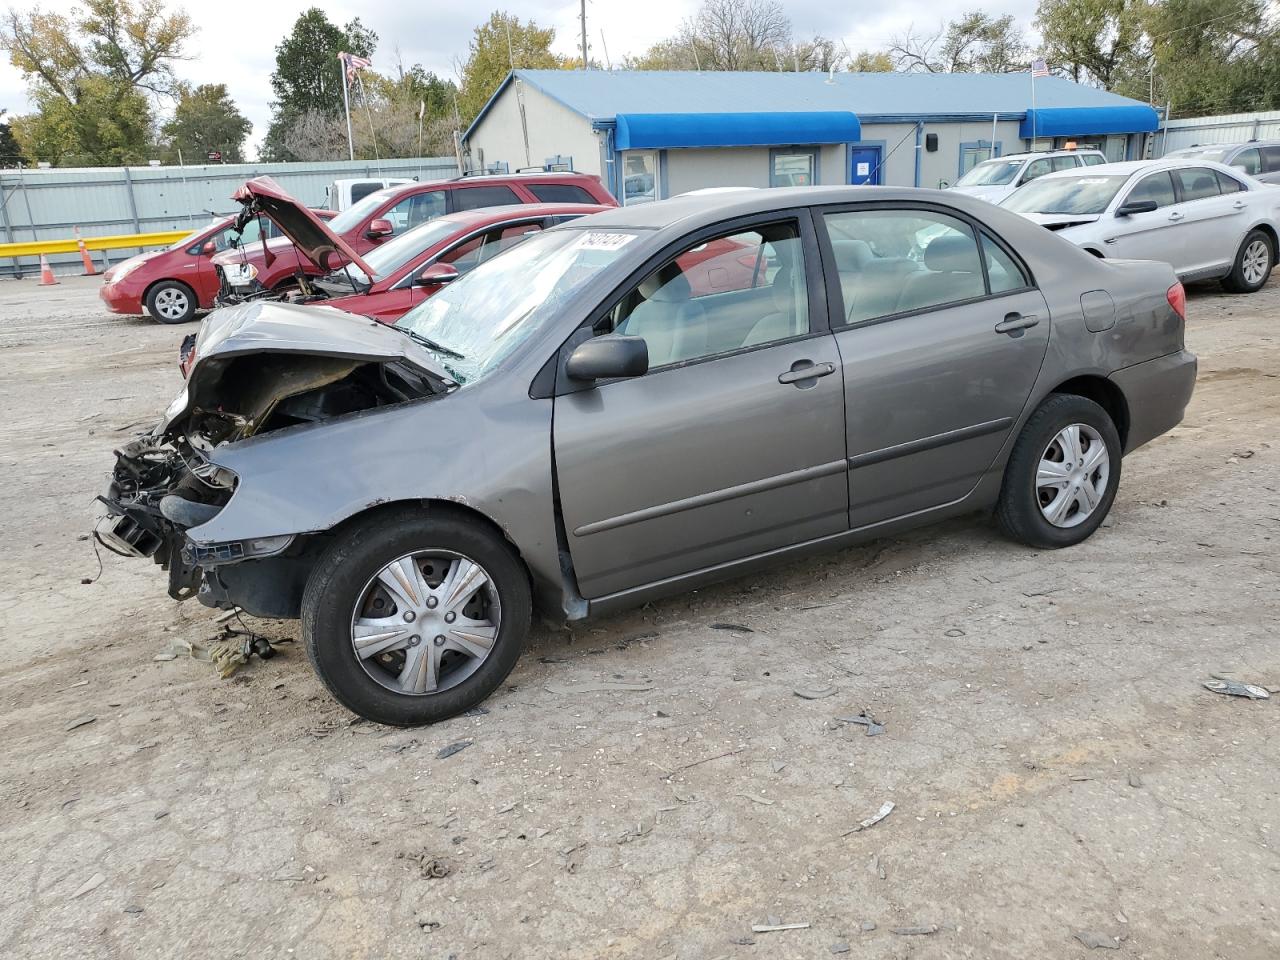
[{"x": 275, "y": 264}]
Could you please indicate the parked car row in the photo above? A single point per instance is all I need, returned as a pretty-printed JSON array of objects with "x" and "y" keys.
[{"x": 1212, "y": 212}]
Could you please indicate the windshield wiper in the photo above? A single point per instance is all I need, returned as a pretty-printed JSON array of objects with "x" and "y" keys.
[{"x": 429, "y": 343}]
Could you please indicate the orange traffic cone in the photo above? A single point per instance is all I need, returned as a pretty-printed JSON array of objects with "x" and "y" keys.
[
  {"x": 89, "y": 269},
  {"x": 47, "y": 279}
]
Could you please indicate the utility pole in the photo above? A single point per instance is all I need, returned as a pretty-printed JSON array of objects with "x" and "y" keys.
[{"x": 585, "y": 66}]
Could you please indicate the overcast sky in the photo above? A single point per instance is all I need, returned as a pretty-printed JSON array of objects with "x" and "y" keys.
[{"x": 237, "y": 39}]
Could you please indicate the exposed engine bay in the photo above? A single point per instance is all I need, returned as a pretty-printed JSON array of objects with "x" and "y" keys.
[{"x": 166, "y": 482}]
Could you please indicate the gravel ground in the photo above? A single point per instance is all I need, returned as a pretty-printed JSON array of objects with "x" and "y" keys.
[{"x": 1055, "y": 765}]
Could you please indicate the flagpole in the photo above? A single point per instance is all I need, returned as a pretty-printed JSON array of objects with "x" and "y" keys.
[
  {"x": 346, "y": 106},
  {"x": 1033, "y": 108}
]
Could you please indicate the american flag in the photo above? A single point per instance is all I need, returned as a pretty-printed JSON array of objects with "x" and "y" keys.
[
  {"x": 353, "y": 63},
  {"x": 1039, "y": 68}
]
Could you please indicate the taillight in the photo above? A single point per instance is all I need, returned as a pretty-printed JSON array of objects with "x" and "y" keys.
[{"x": 1177, "y": 296}]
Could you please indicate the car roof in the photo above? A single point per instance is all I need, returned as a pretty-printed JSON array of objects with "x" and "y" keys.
[
  {"x": 1043, "y": 153},
  {"x": 1129, "y": 167},
  {"x": 1235, "y": 145},
  {"x": 404, "y": 189},
  {"x": 516, "y": 211}
]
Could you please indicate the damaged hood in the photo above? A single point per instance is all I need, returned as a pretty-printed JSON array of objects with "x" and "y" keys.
[
  {"x": 306, "y": 231},
  {"x": 265, "y": 326},
  {"x": 284, "y": 330}
]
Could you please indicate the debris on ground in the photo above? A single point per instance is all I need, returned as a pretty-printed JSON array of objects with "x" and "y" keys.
[
  {"x": 93, "y": 883},
  {"x": 429, "y": 867},
  {"x": 914, "y": 931},
  {"x": 867, "y": 926},
  {"x": 599, "y": 686},
  {"x": 815, "y": 693},
  {"x": 445, "y": 752},
  {"x": 884, "y": 811},
  {"x": 1236, "y": 688},
  {"x": 641, "y": 828},
  {"x": 840, "y": 947},
  {"x": 732, "y": 627},
  {"x": 80, "y": 721},
  {"x": 1135, "y": 780},
  {"x": 755, "y": 799},
  {"x": 1097, "y": 941},
  {"x": 777, "y": 765},
  {"x": 874, "y": 727},
  {"x": 775, "y": 927}
]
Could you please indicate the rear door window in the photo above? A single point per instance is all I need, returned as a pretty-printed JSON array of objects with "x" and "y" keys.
[
  {"x": 560, "y": 193},
  {"x": 1196, "y": 183},
  {"x": 494, "y": 195},
  {"x": 1157, "y": 187},
  {"x": 1271, "y": 159},
  {"x": 1092, "y": 159},
  {"x": 1065, "y": 163}
]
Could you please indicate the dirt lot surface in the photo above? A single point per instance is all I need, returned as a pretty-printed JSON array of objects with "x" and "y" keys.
[{"x": 1055, "y": 765}]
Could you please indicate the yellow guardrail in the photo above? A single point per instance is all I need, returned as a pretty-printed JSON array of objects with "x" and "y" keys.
[{"x": 36, "y": 248}]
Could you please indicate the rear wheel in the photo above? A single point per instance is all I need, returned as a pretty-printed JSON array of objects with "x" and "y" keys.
[
  {"x": 171, "y": 301},
  {"x": 1252, "y": 268},
  {"x": 1062, "y": 475},
  {"x": 415, "y": 617}
]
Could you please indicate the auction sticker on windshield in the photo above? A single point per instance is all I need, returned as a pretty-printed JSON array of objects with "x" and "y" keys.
[{"x": 597, "y": 240}]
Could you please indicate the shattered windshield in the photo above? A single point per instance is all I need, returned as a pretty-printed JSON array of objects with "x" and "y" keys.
[
  {"x": 480, "y": 318},
  {"x": 395, "y": 253}
]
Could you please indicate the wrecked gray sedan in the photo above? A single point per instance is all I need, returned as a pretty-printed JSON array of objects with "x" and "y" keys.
[{"x": 660, "y": 397}]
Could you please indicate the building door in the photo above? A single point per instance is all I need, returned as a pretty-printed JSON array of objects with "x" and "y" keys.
[{"x": 864, "y": 165}]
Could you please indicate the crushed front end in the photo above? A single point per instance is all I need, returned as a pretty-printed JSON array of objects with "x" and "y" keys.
[{"x": 254, "y": 370}]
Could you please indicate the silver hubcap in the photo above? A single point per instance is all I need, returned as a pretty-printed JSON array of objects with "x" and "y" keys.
[
  {"x": 171, "y": 303},
  {"x": 1257, "y": 259},
  {"x": 1073, "y": 474},
  {"x": 426, "y": 622}
]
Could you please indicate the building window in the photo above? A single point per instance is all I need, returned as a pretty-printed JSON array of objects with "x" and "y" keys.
[
  {"x": 793, "y": 168},
  {"x": 974, "y": 153},
  {"x": 640, "y": 178}
]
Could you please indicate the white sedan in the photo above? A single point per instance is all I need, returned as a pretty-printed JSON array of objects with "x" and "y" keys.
[{"x": 1206, "y": 220}]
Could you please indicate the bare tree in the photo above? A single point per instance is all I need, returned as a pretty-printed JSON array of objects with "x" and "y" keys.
[{"x": 975, "y": 43}]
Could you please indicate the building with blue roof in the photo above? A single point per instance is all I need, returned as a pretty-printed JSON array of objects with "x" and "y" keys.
[{"x": 655, "y": 134}]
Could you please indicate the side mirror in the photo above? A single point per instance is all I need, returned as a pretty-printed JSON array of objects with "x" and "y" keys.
[
  {"x": 613, "y": 355},
  {"x": 209, "y": 248},
  {"x": 436, "y": 273},
  {"x": 380, "y": 228},
  {"x": 1137, "y": 206}
]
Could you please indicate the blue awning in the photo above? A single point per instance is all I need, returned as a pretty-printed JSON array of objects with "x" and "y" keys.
[
  {"x": 643, "y": 131},
  {"x": 1071, "y": 121}
]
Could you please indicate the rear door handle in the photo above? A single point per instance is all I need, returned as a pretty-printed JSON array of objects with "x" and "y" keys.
[
  {"x": 1016, "y": 321},
  {"x": 1175, "y": 216},
  {"x": 1238, "y": 205},
  {"x": 803, "y": 370}
]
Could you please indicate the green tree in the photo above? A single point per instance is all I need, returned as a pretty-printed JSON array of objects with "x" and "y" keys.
[
  {"x": 500, "y": 44},
  {"x": 867, "y": 61},
  {"x": 1092, "y": 41},
  {"x": 206, "y": 119},
  {"x": 90, "y": 73},
  {"x": 308, "y": 76},
  {"x": 10, "y": 150}
]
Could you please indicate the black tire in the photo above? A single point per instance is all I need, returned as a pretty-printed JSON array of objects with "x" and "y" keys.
[
  {"x": 350, "y": 563},
  {"x": 1018, "y": 510},
  {"x": 1236, "y": 281},
  {"x": 172, "y": 301}
]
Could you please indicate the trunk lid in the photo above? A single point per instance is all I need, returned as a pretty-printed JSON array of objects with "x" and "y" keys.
[{"x": 307, "y": 231}]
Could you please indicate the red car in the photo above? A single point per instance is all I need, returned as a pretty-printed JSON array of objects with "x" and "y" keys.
[
  {"x": 274, "y": 265},
  {"x": 172, "y": 284}
]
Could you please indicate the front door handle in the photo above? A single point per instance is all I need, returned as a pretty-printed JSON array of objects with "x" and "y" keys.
[
  {"x": 803, "y": 370},
  {"x": 1016, "y": 321},
  {"x": 1238, "y": 205},
  {"x": 1175, "y": 216}
]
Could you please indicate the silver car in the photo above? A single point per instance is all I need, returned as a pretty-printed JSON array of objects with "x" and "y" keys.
[
  {"x": 1207, "y": 221},
  {"x": 1259, "y": 159},
  {"x": 641, "y": 403}
]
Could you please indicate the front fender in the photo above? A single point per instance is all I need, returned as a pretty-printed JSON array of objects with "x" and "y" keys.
[{"x": 482, "y": 449}]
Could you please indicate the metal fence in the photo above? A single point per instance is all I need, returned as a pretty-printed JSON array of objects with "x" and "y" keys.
[
  {"x": 49, "y": 204},
  {"x": 1226, "y": 128}
]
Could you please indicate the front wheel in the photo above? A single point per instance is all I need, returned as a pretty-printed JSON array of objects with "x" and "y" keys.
[
  {"x": 1062, "y": 474},
  {"x": 1252, "y": 268},
  {"x": 171, "y": 302},
  {"x": 415, "y": 617}
]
